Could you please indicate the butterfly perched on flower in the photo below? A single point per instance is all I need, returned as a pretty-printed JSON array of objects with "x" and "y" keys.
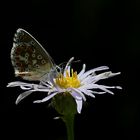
[
  {"x": 31, "y": 62},
  {"x": 29, "y": 59}
]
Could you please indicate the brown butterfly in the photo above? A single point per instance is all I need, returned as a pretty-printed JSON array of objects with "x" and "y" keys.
[{"x": 29, "y": 59}]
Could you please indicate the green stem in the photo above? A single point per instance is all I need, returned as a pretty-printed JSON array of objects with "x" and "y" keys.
[{"x": 69, "y": 122}]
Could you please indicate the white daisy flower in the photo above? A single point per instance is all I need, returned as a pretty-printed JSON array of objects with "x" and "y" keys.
[{"x": 77, "y": 85}]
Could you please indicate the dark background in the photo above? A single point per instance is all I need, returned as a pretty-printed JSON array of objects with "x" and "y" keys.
[{"x": 98, "y": 33}]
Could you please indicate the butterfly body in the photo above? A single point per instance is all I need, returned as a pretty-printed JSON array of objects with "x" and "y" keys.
[{"x": 29, "y": 59}]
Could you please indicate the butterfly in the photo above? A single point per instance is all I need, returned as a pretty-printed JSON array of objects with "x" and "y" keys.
[{"x": 29, "y": 59}]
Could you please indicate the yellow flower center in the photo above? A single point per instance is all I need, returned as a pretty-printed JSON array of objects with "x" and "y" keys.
[{"x": 70, "y": 80}]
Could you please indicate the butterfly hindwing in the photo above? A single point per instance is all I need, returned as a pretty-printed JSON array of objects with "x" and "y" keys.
[{"x": 29, "y": 58}]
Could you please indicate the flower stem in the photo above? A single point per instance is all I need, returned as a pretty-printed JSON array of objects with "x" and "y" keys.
[{"x": 69, "y": 122}]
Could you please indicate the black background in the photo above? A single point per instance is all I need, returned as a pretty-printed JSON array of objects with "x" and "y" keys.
[{"x": 98, "y": 33}]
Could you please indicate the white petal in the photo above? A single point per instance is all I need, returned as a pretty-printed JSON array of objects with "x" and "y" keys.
[
  {"x": 89, "y": 86},
  {"x": 87, "y": 92},
  {"x": 82, "y": 71},
  {"x": 56, "y": 118},
  {"x": 98, "y": 92},
  {"x": 104, "y": 75},
  {"x": 47, "y": 84},
  {"x": 12, "y": 84},
  {"x": 76, "y": 95},
  {"x": 67, "y": 70},
  {"x": 68, "y": 64},
  {"x": 79, "y": 105},
  {"x": 23, "y": 95},
  {"x": 80, "y": 93},
  {"x": 26, "y": 87},
  {"x": 104, "y": 88},
  {"x": 118, "y": 87},
  {"x": 92, "y": 91},
  {"x": 46, "y": 98},
  {"x": 92, "y": 71},
  {"x": 43, "y": 90},
  {"x": 87, "y": 80},
  {"x": 16, "y": 83}
]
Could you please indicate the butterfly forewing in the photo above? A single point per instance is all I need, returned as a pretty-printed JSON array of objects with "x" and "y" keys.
[{"x": 29, "y": 58}]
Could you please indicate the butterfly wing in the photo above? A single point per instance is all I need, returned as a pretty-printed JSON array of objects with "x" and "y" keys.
[{"x": 29, "y": 58}]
